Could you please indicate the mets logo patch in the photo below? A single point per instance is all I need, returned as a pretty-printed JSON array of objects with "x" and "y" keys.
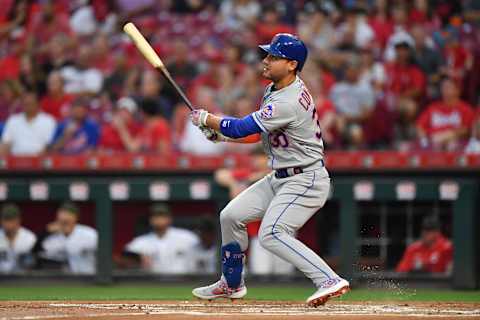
[{"x": 267, "y": 112}]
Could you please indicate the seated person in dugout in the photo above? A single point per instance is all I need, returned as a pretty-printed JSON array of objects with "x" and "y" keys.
[
  {"x": 165, "y": 249},
  {"x": 431, "y": 254},
  {"x": 16, "y": 242},
  {"x": 70, "y": 245}
]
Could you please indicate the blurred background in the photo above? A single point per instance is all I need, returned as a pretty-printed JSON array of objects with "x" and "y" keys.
[{"x": 104, "y": 177}]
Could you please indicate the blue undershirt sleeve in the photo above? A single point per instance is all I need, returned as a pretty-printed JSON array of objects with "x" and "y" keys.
[{"x": 238, "y": 128}]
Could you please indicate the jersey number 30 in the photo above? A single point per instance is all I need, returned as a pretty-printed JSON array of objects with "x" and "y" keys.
[{"x": 306, "y": 101}]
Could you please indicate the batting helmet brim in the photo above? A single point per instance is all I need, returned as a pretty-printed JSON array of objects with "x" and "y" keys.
[{"x": 272, "y": 50}]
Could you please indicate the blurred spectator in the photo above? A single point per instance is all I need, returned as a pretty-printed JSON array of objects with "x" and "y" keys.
[
  {"x": 10, "y": 98},
  {"x": 381, "y": 23},
  {"x": 458, "y": 59},
  {"x": 47, "y": 19},
  {"x": 166, "y": 249},
  {"x": 432, "y": 253},
  {"x": 329, "y": 121},
  {"x": 427, "y": 58},
  {"x": 204, "y": 255},
  {"x": 354, "y": 102},
  {"x": 71, "y": 244},
  {"x": 16, "y": 242},
  {"x": 120, "y": 133},
  {"x": 473, "y": 145},
  {"x": 30, "y": 76},
  {"x": 445, "y": 123},
  {"x": 27, "y": 133},
  {"x": 57, "y": 54},
  {"x": 404, "y": 90},
  {"x": 115, "y": 83},
  {"x": 152, "y": 89},
  {"x": 270, "y": 24},
  {"x": 372, "y": 72},
  {"x": 82, "y": 78},
  {"x": 400, "y": 32},
  {"x": 102, "y": 57},
  {"x": 317, "y": 30},
  {"x": 56, "y": 102},
  {"x": 356, "y": 28},
  {"x": 78, "y": 133},
  {"x": 239, "y": 14},
  {"x": 183, "y": 70},
  {"x": 155, "y": 134}
]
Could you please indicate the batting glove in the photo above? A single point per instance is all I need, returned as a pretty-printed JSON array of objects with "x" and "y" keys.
[
  {"x": 199, "y": 117},
  {"x": 212, "y": 135}
]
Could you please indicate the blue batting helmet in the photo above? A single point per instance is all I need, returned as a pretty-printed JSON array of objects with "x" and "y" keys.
[{"x": 287, "y": 46}]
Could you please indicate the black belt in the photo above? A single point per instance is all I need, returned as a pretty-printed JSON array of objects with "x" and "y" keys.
[{"x": 288, "y": 172}]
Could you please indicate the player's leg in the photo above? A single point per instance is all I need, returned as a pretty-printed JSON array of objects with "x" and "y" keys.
[
  {"x": 249, "y": 205},
  {"x": 296, "y": 201}
]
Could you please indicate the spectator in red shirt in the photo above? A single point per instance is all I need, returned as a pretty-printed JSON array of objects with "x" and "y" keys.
[
  {"x": 155, "y": 134},
  {"x": 119, "y": 134},
  {"x": 432, "y": 253},
  {"x": 405, "y": 86},
  {"x": 445, "y": 123},
  {"x": 56, "y": 102}
]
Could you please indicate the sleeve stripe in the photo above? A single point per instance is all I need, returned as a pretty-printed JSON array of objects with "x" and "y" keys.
[{"x": 259, "y": 122}]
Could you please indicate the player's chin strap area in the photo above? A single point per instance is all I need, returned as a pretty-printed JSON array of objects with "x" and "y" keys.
[{"x": 232, "y": 264}]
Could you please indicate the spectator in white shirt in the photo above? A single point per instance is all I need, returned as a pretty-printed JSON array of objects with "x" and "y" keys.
[
  {"x": 16, "y": 242},
  {"x": 166, "y": 249},
  {"x": 82, "y": 78},
  {"x": 71, "y": 243},
  {"x": 27, "y": 133},
  {"x": 354, "y": 101}
]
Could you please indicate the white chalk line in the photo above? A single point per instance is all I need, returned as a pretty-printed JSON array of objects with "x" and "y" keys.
[{"x": 266, "y": 309}]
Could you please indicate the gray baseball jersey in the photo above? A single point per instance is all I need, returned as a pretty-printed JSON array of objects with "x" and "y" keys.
[
  {"x": 291, "y": 130},
  {"x": 291, "y": 137}
]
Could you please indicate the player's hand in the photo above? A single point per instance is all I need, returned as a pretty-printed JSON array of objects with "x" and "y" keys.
[
  {"x": 199, "y": 117},
  {"x": 210, "y": 134}
]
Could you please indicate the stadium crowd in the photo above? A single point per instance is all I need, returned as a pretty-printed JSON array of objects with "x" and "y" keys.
[{"x": 402, "y": 75}]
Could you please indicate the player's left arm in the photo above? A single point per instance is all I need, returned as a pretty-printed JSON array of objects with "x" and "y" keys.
[{"x": 244, "y": 130}]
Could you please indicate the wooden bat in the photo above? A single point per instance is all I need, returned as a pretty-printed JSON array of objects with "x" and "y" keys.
[{"x": 146, "y": 49}]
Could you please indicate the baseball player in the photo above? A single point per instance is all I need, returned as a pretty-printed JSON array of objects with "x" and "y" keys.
[
  {"x": 16, "y": 242},
  {"x": 287, "y": 197},
  {"x": 70, "y": 242}
]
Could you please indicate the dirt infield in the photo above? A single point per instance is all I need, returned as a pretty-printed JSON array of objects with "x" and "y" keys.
[{"x": 243, "y": 310}]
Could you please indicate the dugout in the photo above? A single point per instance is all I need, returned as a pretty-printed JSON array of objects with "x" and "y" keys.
[{"x": 364, "y": 183}]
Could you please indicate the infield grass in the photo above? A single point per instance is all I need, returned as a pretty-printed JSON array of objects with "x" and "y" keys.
[{"x": 183, "y": 292}]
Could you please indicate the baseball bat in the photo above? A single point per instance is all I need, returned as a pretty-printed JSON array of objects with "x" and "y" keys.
[{"x": 146, "y": 49}]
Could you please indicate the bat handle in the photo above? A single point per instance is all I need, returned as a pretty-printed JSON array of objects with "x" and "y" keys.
[{"x": 177, "y": 88}]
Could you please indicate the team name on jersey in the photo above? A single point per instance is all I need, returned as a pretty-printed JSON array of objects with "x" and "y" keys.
[{"x": 442, "y": 120}]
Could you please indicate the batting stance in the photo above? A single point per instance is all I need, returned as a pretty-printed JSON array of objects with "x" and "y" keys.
[{"x": 297, "y": 187}]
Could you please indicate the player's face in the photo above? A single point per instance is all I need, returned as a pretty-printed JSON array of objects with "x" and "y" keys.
[
  {"x": 429, "y": 236},
  {"x": 160, "y": 224},
  {"x": 66, "y": 221},
  {"x": 10, "y": 226},
  {"x": 276, "y": 68}
]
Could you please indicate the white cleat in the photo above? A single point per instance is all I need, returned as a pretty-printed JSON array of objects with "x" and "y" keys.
[
  {"x": 331, "y": 288},
  {"x": 219, "y": 290}
]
